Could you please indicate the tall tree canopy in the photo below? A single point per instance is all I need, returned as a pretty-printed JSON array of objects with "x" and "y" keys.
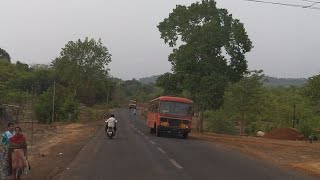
[
  {"x": 313, "y": 89},
  {"x": 212, "y": 50},
  {"x": 4, "y": 55},
  {"x": 245, "y": 98},
  {"x": 81, "y": 63}
]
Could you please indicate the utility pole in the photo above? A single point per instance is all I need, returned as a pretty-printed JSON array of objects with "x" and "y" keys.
[
  {"x": 53, "y": 96},
  {"x": 294, "y": 115},
  {"x": 108, "y": 92},
  {"x": 26, "y": 108},
  {"x": 32, "y": 114},
  {"x": 3, "y": 112}
]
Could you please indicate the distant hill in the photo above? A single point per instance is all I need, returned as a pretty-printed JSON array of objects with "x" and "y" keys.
[
  {"x": 148, "y": 80},
  {"x": 272, "y": 81},
  {"x": 269, "y": 81}
]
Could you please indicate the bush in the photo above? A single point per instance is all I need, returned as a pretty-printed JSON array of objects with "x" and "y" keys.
[
  {"x": 306, "y": 129},
  {"x": 251, "y": 128},
  {"x": 218, "y": 123},
  {"x": 94, "y": 115},
  {"x": 12, "y": 96},
  {"x": 66, "y": 108},
  {"x": 43, "y": 107}
]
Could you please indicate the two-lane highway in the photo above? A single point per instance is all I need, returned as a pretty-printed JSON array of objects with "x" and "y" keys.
[{"x": 135, "y": 154}]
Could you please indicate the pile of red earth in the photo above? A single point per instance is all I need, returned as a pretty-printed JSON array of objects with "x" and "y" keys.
[{"x": 285, "y": 134}]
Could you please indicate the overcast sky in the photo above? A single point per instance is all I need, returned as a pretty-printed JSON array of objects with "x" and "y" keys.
[{"x": 286, "y": 39}]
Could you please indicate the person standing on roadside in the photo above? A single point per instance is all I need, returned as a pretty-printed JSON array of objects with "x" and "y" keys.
[
  {"x": 4, "y": 154},
  {"x": 18, "y": 150}
]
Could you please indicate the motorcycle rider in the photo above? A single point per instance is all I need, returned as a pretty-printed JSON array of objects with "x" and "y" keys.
[
  {"x": 134, "y": 111},
  {"x": 111, "y": 122}
]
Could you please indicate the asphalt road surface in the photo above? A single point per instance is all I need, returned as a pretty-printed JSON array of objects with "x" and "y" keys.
[{"x": 134, "y": 154}]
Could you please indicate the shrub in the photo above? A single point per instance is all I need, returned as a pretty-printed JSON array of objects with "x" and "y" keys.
[
  {"x": 218, "y": 123},
  {"x": 66, "y": 108}
]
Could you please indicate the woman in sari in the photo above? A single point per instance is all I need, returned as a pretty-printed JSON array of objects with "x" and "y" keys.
[{"x": 18, "y": 151}]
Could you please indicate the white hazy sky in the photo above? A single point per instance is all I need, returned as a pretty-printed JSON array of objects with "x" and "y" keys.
[{"x": 286, "y": 40}]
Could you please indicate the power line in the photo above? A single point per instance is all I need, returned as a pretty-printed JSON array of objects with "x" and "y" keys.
[
  {"x": 286, "y": 4},
  {"x": 276, "y": 3},
  {"x": 312, "y": 5},
  {"x": 310, "y": 1}
]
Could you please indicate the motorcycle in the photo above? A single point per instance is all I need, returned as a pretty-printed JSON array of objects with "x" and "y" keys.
[{"x": 110, "y": 132}]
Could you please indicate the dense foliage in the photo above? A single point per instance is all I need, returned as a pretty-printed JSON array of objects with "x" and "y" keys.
[{"x": 78, "y": 76}]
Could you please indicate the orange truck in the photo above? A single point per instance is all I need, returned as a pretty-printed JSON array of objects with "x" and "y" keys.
[{"x": 168, "y": 114}]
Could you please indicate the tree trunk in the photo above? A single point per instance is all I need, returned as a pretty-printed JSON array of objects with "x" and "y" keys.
[
  {"x": 75, "y": 92},
  {"x": 200, "y": 122},
  {"x": 76, "y": 82},
  {"x": 90, "y": 94},
  {"x": 242, "y": 117},
  {"x": 242, "y": 124}
]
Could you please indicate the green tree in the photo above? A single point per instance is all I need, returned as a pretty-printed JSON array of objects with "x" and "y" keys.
[
  {"x": 212, "y": 51},
  {"x": 4, "y": 55},
  {"x": 81, "y": 63},
  {"x": 40, "y": 78},
  {"x": 43, "y": 78},
  {"x": 280, "y": 103},
  {"x": 219, "y": 122},
  {"x": 312, "y": 89},
  {"x": 245, "y": 98},
  {"x": 66, "y": 108},
  {"x": 171, "y": 83},
  {"x": 9, "y": 93},
  {"x": 8, "y": 72}
]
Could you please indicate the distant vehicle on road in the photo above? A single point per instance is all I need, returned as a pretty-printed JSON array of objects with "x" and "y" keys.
[
  {"x": 133, "y": 104},
  {"x": 170, "y": 114}
]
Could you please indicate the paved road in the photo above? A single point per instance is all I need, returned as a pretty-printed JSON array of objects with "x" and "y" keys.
[{"x": 134, "y": 154}]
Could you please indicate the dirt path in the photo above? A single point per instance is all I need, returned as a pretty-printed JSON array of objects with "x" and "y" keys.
[{"x": 300, "y": 155}]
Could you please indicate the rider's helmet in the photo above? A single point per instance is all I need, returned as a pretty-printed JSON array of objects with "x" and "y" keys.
[{"x": 112, "y": 115}]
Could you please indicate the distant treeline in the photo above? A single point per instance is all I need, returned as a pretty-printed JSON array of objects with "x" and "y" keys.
[
  {"x": 148, "y": 80},
  {"x": 273, "y": 81},
  {"x": 268, "y": 81}
]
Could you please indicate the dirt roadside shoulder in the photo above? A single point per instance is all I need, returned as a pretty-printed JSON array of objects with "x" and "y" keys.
[
  {"x": 299, "y": 155},
  {"x": 58, "y": 147}
]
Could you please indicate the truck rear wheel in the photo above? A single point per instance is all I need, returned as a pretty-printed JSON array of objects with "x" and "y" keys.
[
  {"x": 185, "y": 135},
  {"x": 158, "y": 133}
]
